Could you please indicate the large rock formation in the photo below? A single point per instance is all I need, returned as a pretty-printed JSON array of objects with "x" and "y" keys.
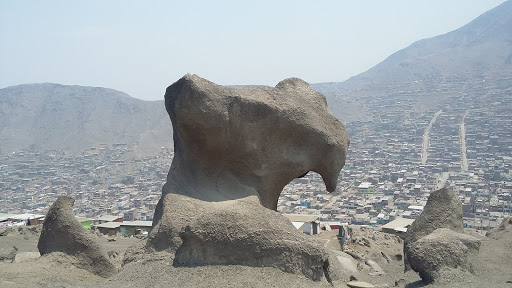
[
  {"x": 435, "y": 240},
  {"x": 63, "y": 233},
  {"x": 235, "y": 150},
  {"x": 250, "y": 141}
]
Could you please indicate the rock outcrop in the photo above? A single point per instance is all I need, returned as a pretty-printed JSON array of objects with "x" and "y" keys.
[
  {"x": 8, "y": 255},
  {"x": 63, "y": 233},
  {"x": 443, "y": 210},
  {"x": 505, "y": 228},
  {"x": 235, "y": 150},
  {"x": 442, "y": 249},
  {"x": 435, "y": 240}
]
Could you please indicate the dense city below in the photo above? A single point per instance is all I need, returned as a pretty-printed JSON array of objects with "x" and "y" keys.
[{"x": 392, "y": 166}]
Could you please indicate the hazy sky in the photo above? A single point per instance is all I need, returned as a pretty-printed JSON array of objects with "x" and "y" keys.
[{"x": 141, "y": 47}]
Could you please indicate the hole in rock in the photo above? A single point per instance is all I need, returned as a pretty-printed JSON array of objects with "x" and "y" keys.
[{"x": 296, "y": 196}]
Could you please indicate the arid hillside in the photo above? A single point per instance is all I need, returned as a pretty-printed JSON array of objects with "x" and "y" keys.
[{"x": 75, "y": 118}]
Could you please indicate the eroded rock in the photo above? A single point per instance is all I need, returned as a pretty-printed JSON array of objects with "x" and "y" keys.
[
  {"x": 235, "y": 150},
  {"x": 443, "y": 210},
  {"x": 434, "y": 243},
  {"x": 502, "y": 229},
  {"x": 442, "y": 249},
  {"x": 24, "y": 256},
  {"x": 251, "y": 141},
  {"x": 63, "y": 233},
  {"x": 8, "y": 255},
  {"x": 375, "y": 267}
]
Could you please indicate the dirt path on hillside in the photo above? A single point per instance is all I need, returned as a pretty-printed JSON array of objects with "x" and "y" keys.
[
  {"x": 462, "y": 134},
  {"x": 426, "y": 138}
]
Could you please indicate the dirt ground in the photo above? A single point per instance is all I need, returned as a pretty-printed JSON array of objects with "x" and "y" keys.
[{"x": 373, "y": 256}]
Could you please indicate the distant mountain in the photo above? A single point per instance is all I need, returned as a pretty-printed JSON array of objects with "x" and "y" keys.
[
  {"x": 478, "y": 51},
  {"x": 75, "y": 118}
]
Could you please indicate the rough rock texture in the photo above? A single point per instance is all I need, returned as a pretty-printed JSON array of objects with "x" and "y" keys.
[
  {"x": 232, "y": 143},
  {"x": 24, "y": 256},
  {"x": 434, "y": 243},
  {"x": 440, "y": 250},
  {"x": 63, "y": 233},
  {"x": 235, "y": 150},
  {"x": 347, "y": 262},
  {"x": 377, "y": 270},
  {"x": 505, "y": 225},
  {"x": 443, "y": 210},
  {"x": 8, "y": 255}
]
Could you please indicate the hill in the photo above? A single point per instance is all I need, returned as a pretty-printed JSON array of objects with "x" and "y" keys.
[
  {"x": 476, "y": 58},
  {"x": 75, "y": 118},
  {"x": 478, "y": 52}
]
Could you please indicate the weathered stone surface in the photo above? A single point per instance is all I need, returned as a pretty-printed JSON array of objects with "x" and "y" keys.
[
  {"x": 24, "y": 256},
  {"x": 443, "y": 210},
  {"x": 347, "y": 262},
  {"x": 8, "y": 255},
  {"x": 235, "y": 149},
  {"x": 63, "y": 233},
  {"x": 505, "y": 226},
  {"x": 440, "y": 250},
  {"x": 334, "y": 269},
  {"x": 376, "y": 269},
  {"x": 232, "y": 143}
]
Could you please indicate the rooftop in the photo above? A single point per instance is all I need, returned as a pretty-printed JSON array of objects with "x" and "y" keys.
[{"x": 398, "y": 223}]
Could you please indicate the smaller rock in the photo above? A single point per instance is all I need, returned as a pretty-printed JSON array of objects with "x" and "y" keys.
[
  {"x": 359, "y": 284},
  {"x": 113, "y": 254},
  {"x": 348, "y": 264},
  {"x": 8, "y": 256},
  {"x": 335, "y": 272},
  {"x": 386, "y": 257},
  {"x": 63, "y": 233},
  {"x": 440, "y": 250},
  {"x": 4, "y": 231},
  {"x": 353, "y": 254},
  {"x": 400, "y": 282},
  {"x": 24, "y": 256},
  {"x": 377, "y": 270},
  {"x": 506, "y": 224},
  {"x": 365, "y": 242}
]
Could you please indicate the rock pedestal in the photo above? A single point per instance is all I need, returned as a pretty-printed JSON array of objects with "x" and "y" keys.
[{"x": 235, "y": 150}]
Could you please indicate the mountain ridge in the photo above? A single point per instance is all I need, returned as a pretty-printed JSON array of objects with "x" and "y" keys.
[
  {"x": 74, "y": 118},
  {"x": 490, "y": 32},
  {"x": 426, "y": 71},
  {"x": 478, "y": 51}
]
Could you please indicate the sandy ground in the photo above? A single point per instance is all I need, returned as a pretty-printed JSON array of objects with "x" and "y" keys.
[{"x": 493, "y": 267}]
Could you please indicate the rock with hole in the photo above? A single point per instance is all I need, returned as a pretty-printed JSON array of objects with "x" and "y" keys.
[{"x": 235, "y": 150}]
